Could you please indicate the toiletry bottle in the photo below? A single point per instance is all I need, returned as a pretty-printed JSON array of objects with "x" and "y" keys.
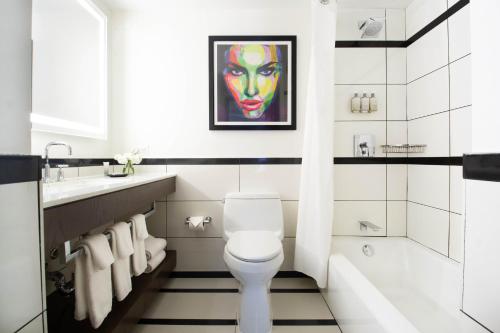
[
  {"x": 356, "y": 103},
  {"x": 365, "y": 103},
  {"x": 373, "y": 103}
]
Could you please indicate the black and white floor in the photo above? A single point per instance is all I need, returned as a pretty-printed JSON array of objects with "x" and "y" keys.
[{"x": 208, "y": 302}]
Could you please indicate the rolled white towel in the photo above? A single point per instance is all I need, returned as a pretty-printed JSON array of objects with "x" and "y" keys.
[
  {"x": 154, "y": 246},
  {"x": 156, "y": 261},
  {"x": 93, "y": 290}
]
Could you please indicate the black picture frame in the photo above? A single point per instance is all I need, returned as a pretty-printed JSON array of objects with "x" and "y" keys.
[{"x": 291, "y": 82}]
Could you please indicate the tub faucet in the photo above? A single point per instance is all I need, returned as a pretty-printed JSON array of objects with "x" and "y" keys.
[
  {"x": 46, "y": 169},
  {"x": 364, "y": 225}
]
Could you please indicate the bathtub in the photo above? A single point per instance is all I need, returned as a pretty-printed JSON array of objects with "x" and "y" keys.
[{"x": 402, "y": 288}]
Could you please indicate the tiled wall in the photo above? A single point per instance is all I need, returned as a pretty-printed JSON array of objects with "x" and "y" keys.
[
  {"x": 372, "y": 192},
  {"x": 439, "y": 112}
]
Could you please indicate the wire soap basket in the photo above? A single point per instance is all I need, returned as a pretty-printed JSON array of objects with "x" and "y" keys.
[{"x": 404, "y": 148}]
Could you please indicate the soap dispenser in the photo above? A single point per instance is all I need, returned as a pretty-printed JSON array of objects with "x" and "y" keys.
[
  {"x": 365, "y": 103},
  {"x": 356, "y": 103},
  {"x": 373, "y": 103}
]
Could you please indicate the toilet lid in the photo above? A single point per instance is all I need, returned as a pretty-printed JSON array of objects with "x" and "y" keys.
[{"x": 254, "y": 246}]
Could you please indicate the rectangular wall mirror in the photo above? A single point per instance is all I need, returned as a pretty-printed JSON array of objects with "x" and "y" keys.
[{"x": 70, "y": 65}]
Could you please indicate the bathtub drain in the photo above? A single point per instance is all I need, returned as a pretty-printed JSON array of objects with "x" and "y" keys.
[{"x": 368, "y": 250}]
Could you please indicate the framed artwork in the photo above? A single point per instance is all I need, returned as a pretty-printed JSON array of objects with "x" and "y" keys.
[{"x": 252, "y": 82}]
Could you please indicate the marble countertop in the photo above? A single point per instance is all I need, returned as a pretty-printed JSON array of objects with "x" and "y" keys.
[{"x": 58, "y": 193}]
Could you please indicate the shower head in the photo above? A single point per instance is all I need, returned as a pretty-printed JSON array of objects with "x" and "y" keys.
[{"x": 371, "y": 27}]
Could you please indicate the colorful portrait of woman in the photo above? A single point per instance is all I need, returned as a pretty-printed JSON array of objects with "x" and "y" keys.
[{"x": 252, "y": 83}]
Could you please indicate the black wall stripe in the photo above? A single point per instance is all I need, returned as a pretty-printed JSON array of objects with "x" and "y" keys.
[
  {"x": 19, "y": 169},
  {"x": 232, "y": 322},
  {"x": 482, "y": 167},
  {"x": 403, "y": 44},
  {"x": 454, "y": 160}
]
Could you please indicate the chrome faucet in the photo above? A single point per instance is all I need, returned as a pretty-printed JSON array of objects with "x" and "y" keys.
[
  {"x": 46, "y": 169},
  {"x": 364, "y": 225}
]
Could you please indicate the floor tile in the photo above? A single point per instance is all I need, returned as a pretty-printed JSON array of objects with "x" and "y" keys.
[
  {"x": 202, "y": 283},
  {"x": 193, "y": 306},
  {"x": 306, "y": 329},
  {"x": 299, "y": 306},
  {"x": 293, "y": 283},
  {"x": 186, "y": 329}
]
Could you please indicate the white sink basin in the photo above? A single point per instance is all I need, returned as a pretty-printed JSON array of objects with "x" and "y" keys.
[{"x": 59, "y": 193}]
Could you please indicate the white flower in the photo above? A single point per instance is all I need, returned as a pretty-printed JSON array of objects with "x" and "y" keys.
[
  {"x": 135, "y": 158},
  {"x": 121, "y": 159}
]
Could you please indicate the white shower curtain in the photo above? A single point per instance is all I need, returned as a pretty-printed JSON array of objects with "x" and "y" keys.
[{"x": 315, "y": 216}]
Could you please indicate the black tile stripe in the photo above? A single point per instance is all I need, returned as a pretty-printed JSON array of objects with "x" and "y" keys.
[
  {"x": 233, "y": 291},
  {"x": 371, "y": 43},
  {"x": 19, "y": 169},
  {"x": 226, "y": 274},
  {"x": 482, "y": 167},
  {"x": 404, "y": 44},
  {"x": 232, "y": 322}
]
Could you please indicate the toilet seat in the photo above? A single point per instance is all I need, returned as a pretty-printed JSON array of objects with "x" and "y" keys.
[{"x": 254, "y": 246}]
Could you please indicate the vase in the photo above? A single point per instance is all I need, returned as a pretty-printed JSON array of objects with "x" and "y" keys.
[{"x": 129, "y": 168}]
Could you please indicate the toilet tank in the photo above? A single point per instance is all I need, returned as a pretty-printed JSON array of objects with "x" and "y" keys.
[{"x": 252, "y": 212}]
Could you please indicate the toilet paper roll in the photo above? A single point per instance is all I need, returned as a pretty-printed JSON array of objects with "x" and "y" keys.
[{"x": 196, "y": 223}]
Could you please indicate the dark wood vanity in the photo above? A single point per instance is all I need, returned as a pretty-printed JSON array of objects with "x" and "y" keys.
[{"x": 70, "y": 220}]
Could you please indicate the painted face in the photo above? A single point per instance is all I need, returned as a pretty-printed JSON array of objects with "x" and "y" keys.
[{"x": 252, "y": 73}]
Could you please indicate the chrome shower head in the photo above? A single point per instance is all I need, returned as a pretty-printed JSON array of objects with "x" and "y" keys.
[{"x": 371, "y": 27}]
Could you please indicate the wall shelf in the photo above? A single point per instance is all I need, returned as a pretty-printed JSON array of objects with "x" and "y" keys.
[{"x": 404, "y": 149}]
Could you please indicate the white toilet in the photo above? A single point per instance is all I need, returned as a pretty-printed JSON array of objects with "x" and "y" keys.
[{"x": 253, "y": 229}]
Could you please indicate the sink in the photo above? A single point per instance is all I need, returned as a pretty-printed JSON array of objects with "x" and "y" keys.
[{"x": 74, "y": 189}]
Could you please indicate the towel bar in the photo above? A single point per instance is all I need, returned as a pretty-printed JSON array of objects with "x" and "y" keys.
[{"x": 70, "y": 254}]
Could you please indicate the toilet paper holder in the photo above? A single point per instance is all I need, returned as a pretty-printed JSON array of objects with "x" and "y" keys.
[{"x": 207, "y": 219}]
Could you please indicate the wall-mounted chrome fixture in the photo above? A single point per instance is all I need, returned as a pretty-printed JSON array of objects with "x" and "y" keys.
[
  {"x": 364, "y": 145},
  {"x": 364, "y": 225},
  {"x": 324, "y": 2},
  {"x": 371, "y": 27}
]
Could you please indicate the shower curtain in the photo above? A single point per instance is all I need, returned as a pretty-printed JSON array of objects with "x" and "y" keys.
[{"x": 315, "y": 215}]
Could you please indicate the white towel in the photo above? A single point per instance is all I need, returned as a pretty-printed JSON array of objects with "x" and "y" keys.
[
  {"x": 155, "y": 261},
  {"x": 93, "y": 291},
  {"x": 139, "y": 234},
  {"x": 154, "y": 246},
  {"x": 122, "y": 248}
]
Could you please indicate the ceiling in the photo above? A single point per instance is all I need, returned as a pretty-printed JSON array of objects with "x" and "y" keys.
[{"x": 171, "y": 4}]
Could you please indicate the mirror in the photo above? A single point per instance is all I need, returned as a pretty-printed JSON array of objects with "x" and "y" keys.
[{"x": 70, "y": 84}]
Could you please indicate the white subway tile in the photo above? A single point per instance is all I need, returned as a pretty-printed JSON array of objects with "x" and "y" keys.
[
  {"x": 282, "y": 179},
  {"x": 460, "y": 83},
  {"x": 142, "y": 169},
  {"x": 461, "y": 131},
  {"x": 344, "y": 94},
  {"x": 396, "y": 24},
  {"x": 429, "y": 185},
  {"x": 432, "y": 131},
  {"x": 421, "y": 12},
  {"x": 396, "y": 181},
  {"x": 289, "y": 253},
  {"x": 457, "y": 190},
  {"x": 204, "y": 182},
  {"x": 178, "y": 211},
  {"x": 90, "y": 171},
  {"x": 429, "y": 94},
  {"x": 360, "y": 66},
  {"x": 345, "y": 131},
  {"x": 347, "y": 22},
  {"x": 157, "y": 223},
  {"x": 460, "y": 30},
  {"x": 428, "y": 226},
  {"x": 360, "y": 182},
  {"x": 396, "y": 65},
  {"x": 397, "y": 133},
  {"x": 428, "y": 53},
  {"x": 396, "y": 102},
  {"x": 456, "y": 237},
  {"x": 396, "y": 218},
  {"x": 347, "y": 215}
]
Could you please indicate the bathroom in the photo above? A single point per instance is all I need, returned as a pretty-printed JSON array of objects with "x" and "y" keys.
[{"x": 354, "y": 194}]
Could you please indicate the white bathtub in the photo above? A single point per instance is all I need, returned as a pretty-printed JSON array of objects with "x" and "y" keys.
[{"x": 403, "y": 288}]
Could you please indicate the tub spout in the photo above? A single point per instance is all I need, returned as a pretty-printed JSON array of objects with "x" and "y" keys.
[{"x": 364, "y": 225}]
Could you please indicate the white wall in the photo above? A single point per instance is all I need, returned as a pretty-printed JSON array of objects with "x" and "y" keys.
[
  {"x": 15, "y": 76},
  {"x": 160, "y": 80}
]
